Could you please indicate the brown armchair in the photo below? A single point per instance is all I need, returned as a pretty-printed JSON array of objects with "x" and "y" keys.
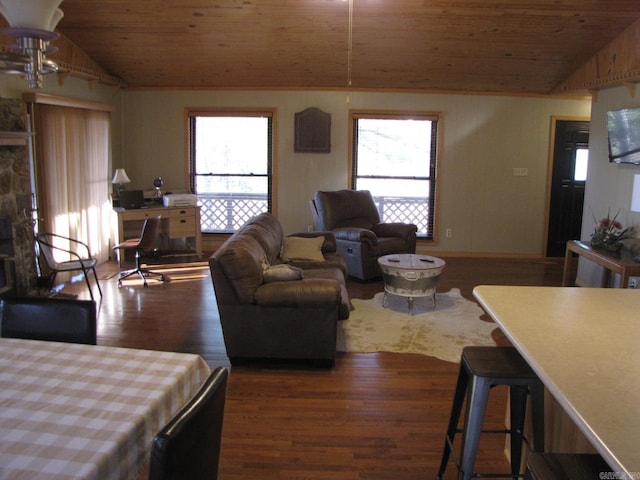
[{"x": 360, "y": 237}]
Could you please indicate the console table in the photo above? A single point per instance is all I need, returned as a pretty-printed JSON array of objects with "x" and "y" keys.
[
  {"x": 177, "y": 222},
  {"x": 621, "y": 263}
]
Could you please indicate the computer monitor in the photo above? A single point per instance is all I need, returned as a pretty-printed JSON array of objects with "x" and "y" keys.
[{"x": 131, "y": 199}]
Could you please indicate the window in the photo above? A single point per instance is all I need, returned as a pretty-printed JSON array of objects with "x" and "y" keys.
[
  {"x": 71, "y": 170},
  {"x": 230, "y": 165},
  {"x": 395, "y": 157},
  {"x": 581, "y": 165}
]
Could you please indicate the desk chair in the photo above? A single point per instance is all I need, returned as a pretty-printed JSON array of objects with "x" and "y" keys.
[
  {"x": 140, "y": 245},
  {"x": 49, "y": 319},
  {"x": 189, "y": 445},
  {"x": 77, "y": 252}
]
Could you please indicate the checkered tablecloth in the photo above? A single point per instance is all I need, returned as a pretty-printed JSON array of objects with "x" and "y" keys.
[{"x": 85, "y": 411}]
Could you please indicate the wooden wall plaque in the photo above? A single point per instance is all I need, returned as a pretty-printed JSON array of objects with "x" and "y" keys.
[{"x": 312, "y": 131}]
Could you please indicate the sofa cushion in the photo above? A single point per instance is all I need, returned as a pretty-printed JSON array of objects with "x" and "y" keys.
[
  {"x": 299, "y": 248},
  {"x": 281, "y": 273},
  {"x": 329, "y": 244},
  {"x": 334, "y": 274},
  {"x": 388, "y": 245},
  {"x": 317, "y": 292},
  {"x": 331, "y": 260}
]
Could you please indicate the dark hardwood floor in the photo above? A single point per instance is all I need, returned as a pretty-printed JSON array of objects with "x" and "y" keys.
[{"x": 372, "y": 416}]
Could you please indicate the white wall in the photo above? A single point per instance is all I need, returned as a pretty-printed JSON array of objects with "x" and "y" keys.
[
  {"x": 489, "y": 210},
  {"x": 609, "y": 185},
  {"x": 13, "y": 86},
  {"x": 484, "y": 138}
]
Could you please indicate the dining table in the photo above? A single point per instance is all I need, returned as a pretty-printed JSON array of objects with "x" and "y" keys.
[
  {"x": 72, "y": 411},
  {"x": 584, "y": 344}
]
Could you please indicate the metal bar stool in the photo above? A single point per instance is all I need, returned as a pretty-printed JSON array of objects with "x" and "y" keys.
[
  {"x": 566, "y": 466},
  {"x": 482, "y": 368}
]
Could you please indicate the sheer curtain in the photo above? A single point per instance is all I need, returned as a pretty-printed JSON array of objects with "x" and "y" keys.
[{"x": 72, "y": 174}]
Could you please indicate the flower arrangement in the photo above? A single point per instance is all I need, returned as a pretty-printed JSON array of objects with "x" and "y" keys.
[{"x": 608, "y": 233}]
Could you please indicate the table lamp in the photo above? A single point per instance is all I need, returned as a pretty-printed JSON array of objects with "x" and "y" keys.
[{"x": 120, "y": 178}]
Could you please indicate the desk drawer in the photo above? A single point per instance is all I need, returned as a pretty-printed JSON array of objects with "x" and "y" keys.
[
  {"x": 182, "y": 222},
  {"x": 143, "y": 214},
  {"x": 177, "y": 213}
]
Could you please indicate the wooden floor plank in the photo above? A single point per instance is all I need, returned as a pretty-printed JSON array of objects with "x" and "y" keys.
[{"x": 372, "y": 416}]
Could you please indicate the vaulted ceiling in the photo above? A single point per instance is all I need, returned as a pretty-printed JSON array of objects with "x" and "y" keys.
[{"x": 504, "y": 46}]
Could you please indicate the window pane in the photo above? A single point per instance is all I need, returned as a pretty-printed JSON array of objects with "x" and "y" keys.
[
  {"x": 395, "y": 187},
  {"x": 395, "y": 159},
  {"x": 394, "y": 147},
  {"x": 231, "y": 184},
  {"x": 230, "y": 169},
  {"x": 582, "y": 162},
  {"x": 405, "y": 201},
  {"x": 231, "y": 145}
]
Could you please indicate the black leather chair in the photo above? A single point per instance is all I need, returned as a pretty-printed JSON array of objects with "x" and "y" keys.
[
  {"x": 360, "y": 236},
  {"x": 49, "y": 319},
  {"x": 189, "y": 445},
  {"x": 145, "y": 243}
]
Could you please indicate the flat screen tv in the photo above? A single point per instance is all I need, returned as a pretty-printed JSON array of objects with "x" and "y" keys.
[{"x": 623, "y": 129}]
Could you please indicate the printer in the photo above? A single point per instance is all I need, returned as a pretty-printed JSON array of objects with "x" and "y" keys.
[{"x": 180, "y": 200}]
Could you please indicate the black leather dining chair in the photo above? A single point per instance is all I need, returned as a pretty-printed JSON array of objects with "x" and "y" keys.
[
  {"x": 189, "y": 445},
  {"x": 49, "y": 319}
]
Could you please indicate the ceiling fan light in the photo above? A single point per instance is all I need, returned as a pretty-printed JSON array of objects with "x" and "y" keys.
[
  {"x": 11, "y": 62},
  {"x": 35, "y": 14},
  {"x": 39, "y": 65},
  {"x": 55, "y": 19},
  {"x": 32, "y": 24}
]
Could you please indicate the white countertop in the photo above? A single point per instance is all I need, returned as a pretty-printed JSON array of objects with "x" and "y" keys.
[{"x": 584, "y": 344}]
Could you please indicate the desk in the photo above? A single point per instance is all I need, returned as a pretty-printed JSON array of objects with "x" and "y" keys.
[
  {"x": 621, "y": 263},
  {"x": 177, "y": 222},
  {"x": 583, "y": 344},
  {"x": 86, "y": 411}
]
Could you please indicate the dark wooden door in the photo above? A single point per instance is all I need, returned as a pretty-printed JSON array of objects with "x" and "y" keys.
[{"x": 568, "y": 182}]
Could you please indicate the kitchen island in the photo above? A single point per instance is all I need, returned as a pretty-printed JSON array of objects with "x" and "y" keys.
[{"x": 583, "y": 343}]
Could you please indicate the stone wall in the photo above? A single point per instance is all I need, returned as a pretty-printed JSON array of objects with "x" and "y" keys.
[{"x": 16, "y": 195}]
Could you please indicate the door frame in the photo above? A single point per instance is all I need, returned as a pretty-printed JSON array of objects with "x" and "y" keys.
[{"x": 550, "y": 154}]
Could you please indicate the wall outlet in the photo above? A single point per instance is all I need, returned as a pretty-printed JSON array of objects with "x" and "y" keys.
[
  {"x": 634, "y": 282},
  {"x": 520, "y": 172},
  {"x": 448, "y": 233}
]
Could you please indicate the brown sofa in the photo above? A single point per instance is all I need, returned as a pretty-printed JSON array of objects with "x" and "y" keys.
[
  {"x": 267, "y": 318},
  {"x": 360, "y": 236}
]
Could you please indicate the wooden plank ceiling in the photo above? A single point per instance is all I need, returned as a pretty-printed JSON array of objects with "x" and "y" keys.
[{"x": 505, "y": 46}]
